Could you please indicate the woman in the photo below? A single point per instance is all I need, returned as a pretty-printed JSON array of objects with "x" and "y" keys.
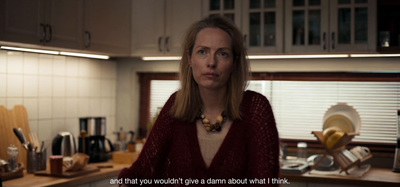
[{"x": 211, "y": 131}]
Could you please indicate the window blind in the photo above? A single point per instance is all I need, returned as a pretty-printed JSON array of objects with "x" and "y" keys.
[
  {"x": 299, "y": 106},
  {"x": 160, "y": 91}
]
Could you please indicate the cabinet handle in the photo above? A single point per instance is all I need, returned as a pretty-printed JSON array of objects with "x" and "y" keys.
[
  {"x": 43, "y": 38},
  {"x": 159, "y": 43},
  {"x": 324, "y": 40},
  {"x": 50, "y": 28},
  {"x": 245, "y": 41},
  {"x": 89, "y": 39},
  {"x": 167, "y": 43},
  {"x": 333, "y": 40}
]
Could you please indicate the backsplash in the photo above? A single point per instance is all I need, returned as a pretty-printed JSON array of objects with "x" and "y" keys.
[{"x": 57, "y": 90}]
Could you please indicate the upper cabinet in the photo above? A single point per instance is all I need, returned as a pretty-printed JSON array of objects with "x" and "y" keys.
[
  {"x": 43, "y": 22},
  {"x": 229, "y": 8},
  {"x": 261, "y": 22},
  {"x": 158, "y": 27},
  {"x": 262, "y": 25},
  {"x": 94, "y": 25},
  {"x": 107, "y": 26},
  {"x": 330, "y": 25}
]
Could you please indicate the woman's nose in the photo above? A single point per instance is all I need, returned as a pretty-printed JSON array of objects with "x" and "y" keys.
[{"x": 212, "y": 61}]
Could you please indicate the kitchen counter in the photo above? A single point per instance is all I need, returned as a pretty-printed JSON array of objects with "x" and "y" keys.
[
  {"x": 35, "y": 180},
  {"x": 374, "y": 177}
]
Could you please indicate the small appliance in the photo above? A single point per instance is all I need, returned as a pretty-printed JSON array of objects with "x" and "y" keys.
[
  {"x": 97, "y": 146},
  {"x": 64, "y": 144}
]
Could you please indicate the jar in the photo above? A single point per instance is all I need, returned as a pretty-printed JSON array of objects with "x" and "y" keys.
[{"x": 302, "y": 150}]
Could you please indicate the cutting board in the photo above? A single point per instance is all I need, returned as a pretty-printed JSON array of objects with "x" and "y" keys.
[
  {"x": 69, "y": 174},
  {"x": 9, "y": 119}
]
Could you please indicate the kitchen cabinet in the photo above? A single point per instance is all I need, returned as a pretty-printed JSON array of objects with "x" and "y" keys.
[
  {"x": 89, "y": 25},
  {"x": 261, "y": 22},
  {"x": 42, "y": 22},
  {"x": 107, "y": 26},
  {"x": 229, "y": 8},
  {"x": 158, "y": 27},
  {"x": 330, "y": 26},
  {"x": 262, "y": 26}
]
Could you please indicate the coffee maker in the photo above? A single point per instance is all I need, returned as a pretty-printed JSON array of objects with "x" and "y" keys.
[{"x": 92, "y": 139}]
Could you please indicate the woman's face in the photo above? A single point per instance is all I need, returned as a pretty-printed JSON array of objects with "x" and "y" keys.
[{"x": 212, "y": 59}]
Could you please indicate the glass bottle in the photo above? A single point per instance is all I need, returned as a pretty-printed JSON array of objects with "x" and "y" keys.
[{"x": 12, "y": 152}]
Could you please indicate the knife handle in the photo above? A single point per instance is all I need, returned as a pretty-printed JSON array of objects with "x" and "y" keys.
[{"x": 19, "y": 136}]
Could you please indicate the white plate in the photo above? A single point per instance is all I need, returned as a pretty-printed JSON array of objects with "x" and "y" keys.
[{"x": 345, "y": 110}]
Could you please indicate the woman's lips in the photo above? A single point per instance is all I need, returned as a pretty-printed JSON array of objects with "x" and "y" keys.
[{"x": 210, "y": 75}]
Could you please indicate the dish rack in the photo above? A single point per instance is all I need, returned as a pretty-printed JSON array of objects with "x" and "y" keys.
[{"x": 341, "y": 155}]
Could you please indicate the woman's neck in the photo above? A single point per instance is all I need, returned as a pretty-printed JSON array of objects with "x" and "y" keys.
[{"x": 214, "y": 102}]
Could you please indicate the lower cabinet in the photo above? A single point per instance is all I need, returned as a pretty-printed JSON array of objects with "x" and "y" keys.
[
  {"x": 307, "y": 184},
  {"x": 100, "y": 183}
]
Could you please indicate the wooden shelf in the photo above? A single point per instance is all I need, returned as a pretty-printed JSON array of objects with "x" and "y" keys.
[{"x": 341, "y": 155}]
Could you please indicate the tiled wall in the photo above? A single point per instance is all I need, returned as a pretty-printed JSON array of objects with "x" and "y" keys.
[{"x": 57, "y": 90}]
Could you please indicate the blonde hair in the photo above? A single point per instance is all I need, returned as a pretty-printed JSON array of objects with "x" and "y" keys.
[{"x": 188, "y": 102}]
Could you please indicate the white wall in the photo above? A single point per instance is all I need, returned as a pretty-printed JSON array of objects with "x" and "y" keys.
[
  {"x": 57, "y": 90},
  {"x": 128, "y": 88}
]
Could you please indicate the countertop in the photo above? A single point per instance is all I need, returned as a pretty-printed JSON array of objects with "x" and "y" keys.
[
  {"x": 374, "y": 177},
  {"x": 35, "y": 180}
]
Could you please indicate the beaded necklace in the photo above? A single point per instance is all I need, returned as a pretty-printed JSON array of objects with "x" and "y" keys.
[{"x": 217, "y": 126}]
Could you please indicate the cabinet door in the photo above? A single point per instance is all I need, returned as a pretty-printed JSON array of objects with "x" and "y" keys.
[
  {"x": 263, "y": 25},
  {"x": 180, "y": 14},
  {"x": 21, "y": 21},
  {"x": 306, "y": 26},
  {"x": 353, "y": 25},
  {"x": 229, "y": 8},
  {"x": 64, "y": 23},
  {"x": 107, "y": 26},
  {"x": 148, "y": 27}
]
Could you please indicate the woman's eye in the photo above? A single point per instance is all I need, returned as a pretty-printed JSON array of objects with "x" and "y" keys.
[
  {"x": 202, "y": 51},
  {"x": 224, "y": 54}
]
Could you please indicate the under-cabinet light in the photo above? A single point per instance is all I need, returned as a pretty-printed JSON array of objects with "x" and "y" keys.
[
  {"x": 30, "y": 50},
  {"x": 374, "y": 55},
  {"x": 158, "y": 58},
  {"x": 84, "y": 55},
  {"x": 254, "y": 57},
  {"x": 54, "y": 52}
]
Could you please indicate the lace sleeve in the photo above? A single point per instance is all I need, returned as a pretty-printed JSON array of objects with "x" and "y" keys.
[
  {"x": 263, "y": 140},
  {"x": 155, "y": 148}
]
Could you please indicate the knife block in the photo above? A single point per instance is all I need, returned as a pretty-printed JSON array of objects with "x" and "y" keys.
[{"x": 338, "y": 152}]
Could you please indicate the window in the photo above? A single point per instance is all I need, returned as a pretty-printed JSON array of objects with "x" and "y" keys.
[{"x": 299, "y": 106}]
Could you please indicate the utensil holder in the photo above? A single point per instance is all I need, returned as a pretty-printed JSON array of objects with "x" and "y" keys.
[{"x": 36, "y": 161}]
